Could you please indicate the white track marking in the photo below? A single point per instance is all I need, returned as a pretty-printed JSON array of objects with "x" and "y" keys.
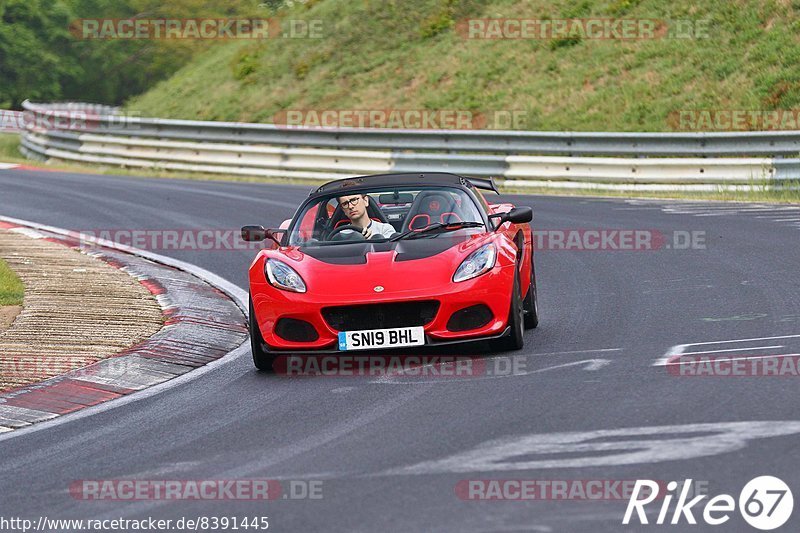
[
  {"x": 599, "y": 350},
  {"x": 780, "y": 214},
  {"x": 590, "y": 365},
  {"x": 722, "y": 213},
  {"x": 734, "y": 358},
  {"x": 668, "y": 443},
  {"x": 734, "y": 350},
  {"x": 678, "y": 349},
  {"x": 28, "y": 232},
  {"x": 7, "y": 166},
  {"x": 742, "y": 340}
]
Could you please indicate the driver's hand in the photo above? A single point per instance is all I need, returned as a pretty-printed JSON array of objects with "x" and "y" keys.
[{"x": 366, "y": 232}]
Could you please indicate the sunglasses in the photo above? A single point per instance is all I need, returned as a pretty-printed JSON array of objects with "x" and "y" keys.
[{"x": 351, "y": 202}]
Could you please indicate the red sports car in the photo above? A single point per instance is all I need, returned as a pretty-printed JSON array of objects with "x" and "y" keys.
[{"x": 390, "y": 261}]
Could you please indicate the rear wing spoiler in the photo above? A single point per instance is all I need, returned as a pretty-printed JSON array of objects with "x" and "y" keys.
[{"x": 484, "y": 183}]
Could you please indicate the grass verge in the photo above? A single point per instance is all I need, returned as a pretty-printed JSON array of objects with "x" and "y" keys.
[
  {"x": 9, "y": 149},
  {"x": 11, "y": 288}
]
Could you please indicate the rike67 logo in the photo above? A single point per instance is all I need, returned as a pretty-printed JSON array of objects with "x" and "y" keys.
[{"x": 765, "y": 503}]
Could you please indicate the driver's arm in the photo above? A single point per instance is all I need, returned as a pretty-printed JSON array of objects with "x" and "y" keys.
[{"x": 383, "y": 230}]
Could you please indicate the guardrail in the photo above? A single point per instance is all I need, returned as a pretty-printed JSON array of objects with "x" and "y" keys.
[{"x": 520, "y": 158}]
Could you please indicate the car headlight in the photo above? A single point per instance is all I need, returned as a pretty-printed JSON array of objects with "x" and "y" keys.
[
  {"x": 283, "y": 276},
  {"x": 478, "y": 262}
]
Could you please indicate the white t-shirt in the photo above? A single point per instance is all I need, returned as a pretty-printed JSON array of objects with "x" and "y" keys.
[
  {"x": 378, "y": 228},
  {"x": 381, "y": 228}
]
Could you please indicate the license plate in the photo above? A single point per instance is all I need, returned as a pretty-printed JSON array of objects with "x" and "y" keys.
[{"x": 381, "y": 338}]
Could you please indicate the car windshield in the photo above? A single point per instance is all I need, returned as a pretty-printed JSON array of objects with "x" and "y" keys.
[{"x": 382, "y": 213}]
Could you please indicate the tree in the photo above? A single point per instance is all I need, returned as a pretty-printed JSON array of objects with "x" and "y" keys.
[{"x": 32, "y": 34}]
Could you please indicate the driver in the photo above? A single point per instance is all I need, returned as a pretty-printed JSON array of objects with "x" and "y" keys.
[{"x": 355, "y": 207}]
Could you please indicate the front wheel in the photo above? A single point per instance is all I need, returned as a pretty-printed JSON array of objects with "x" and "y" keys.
[
  {"x": 514, "y": 340},
  {"x": 262, "y": 358},
  {"x": 532, "y": 302}
]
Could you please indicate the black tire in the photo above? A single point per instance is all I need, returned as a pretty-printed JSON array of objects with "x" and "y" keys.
[
  {"x": 262, "y": 358},
  {"x": 514, "y": 340},
  {"x": 531, "y": 303}
]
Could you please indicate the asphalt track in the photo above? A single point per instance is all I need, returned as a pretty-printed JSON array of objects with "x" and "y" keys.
[{"x": 390, "y": 453}]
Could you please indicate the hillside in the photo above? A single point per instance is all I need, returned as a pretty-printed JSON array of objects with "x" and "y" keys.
[{"x": 413, "y": 55}]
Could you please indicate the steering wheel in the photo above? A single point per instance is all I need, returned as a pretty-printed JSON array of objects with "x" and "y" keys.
[{"x": 336, "y": 231}]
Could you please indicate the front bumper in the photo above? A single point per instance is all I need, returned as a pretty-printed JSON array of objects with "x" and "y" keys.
[
  {"x": 492, "y": 289},
  {"x": 429, "y": 343}
]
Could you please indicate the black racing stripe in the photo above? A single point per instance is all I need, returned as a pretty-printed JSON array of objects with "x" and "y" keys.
[{"x": 407, "y": 250}]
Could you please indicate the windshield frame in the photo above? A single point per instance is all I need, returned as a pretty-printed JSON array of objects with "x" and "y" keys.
[{"x": 316, "y": 198}]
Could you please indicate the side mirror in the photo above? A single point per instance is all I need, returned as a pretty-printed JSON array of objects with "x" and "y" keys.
[
  {"x": 259, "y": 234},
  {"x": 518, "y": 215},
  {"x": 254, "y": 233}
]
